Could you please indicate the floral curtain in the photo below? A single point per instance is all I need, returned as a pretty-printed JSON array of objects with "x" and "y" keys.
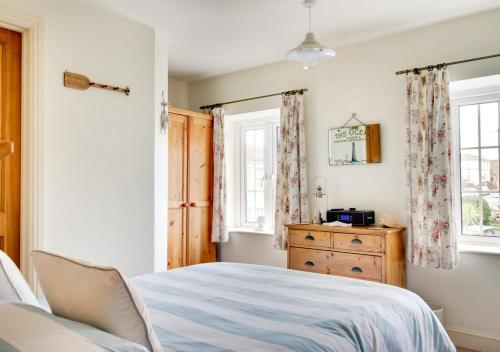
[
  {"x": 291, "y": 181},
  {"x": 219, "y": 233},
  {"x": 431, "y": 231}
]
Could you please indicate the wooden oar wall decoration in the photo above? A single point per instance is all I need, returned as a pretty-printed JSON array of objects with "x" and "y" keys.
[{"x": 77, "y": 81}]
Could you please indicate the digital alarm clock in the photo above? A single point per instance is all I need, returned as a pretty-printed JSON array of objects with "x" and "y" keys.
[{"x": 351, "y": 216}]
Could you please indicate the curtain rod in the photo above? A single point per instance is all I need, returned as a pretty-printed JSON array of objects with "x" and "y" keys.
[
  {"x": 289, "y": 92},
  {"x": 438, "y": 66}
]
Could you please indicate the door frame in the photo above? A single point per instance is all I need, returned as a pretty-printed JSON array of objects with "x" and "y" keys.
[{"x": 32, "y": 127}]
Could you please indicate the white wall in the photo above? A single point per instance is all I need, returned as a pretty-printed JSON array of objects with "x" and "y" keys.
[
  {"x": 178, "y": 93},
  {"x": 161, "y": 162},
  {"x": 99, "y": 146},
  {"x": 361, "y": 79},
  {"x": 251, "y": 249}
]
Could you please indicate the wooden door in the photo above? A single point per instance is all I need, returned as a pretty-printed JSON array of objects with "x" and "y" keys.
[
  {"x": 200, "y": 248},
  {"x": 177, "y": 190},
  {"x": 10, "y": 132}
]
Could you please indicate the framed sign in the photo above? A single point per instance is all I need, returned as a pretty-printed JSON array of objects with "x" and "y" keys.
[{"x": 354, "y": 145}]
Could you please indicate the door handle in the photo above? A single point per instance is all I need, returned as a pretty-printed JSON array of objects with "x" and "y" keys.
[
  {"x": 184, "y": 205},
  {"x": 6, "y": 149},
  {"x": 192, "y": 204}
]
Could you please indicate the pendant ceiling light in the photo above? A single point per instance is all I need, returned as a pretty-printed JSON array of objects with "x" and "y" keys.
[{"x": 309, "y": 53}]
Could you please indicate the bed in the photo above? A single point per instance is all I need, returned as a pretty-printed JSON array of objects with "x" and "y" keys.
[{"x": 239, "y": 307}]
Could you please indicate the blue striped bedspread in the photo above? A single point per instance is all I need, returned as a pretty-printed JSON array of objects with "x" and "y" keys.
[{"x": 239, "y": 307}]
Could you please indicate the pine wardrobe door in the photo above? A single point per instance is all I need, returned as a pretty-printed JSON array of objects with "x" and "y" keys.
[
  {"x": 10, "y": 141},
  {"x": 200, "y": 248},
  {"x": 177, "y": 190}
]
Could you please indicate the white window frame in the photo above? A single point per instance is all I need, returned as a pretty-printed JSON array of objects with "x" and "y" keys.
[
  {"x": 269, "y": 120},
  {"x": 269, "y": 172},
  {"x": 469, "y": 242}
]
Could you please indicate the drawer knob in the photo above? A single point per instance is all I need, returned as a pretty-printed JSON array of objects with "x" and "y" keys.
[
  {"x": 309, "y": 264},
  {"x": 356, "y": 241},
  {"x": 357, "y": 270},
  {"x": 309, "y": 238}
]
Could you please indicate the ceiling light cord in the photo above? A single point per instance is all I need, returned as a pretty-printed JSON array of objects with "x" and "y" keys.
[{"x": 309, "y": 12}]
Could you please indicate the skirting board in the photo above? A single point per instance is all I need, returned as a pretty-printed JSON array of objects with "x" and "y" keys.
[{"x": 475, "y": 340}]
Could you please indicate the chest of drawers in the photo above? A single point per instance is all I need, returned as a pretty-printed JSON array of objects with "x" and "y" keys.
[{"x": 358, "y": 252}]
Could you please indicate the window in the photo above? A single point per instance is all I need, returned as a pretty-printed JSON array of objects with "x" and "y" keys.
[
  {"x": 258, "y": 169},
  {"x": 252, "y": 168},
  {"x": 479, "y": 142}
]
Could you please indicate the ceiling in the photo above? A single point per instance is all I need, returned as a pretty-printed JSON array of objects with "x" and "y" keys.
[{"x": 211, "y": 37}]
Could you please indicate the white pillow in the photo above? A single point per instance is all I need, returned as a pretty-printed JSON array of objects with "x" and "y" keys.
[
  {"x": 27, "y": 328},
  {"x": 95, "y": 295},
  {"x": 13, "y": 287}
]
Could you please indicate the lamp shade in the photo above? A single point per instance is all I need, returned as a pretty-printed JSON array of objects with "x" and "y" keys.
[{"x": 310, "y": 52}]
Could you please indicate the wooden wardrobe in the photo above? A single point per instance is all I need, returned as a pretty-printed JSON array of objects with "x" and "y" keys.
[{"x": 190, "y": 174}]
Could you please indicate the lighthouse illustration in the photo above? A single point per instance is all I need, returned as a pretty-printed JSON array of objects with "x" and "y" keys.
[{"x": 353, "y": 154}]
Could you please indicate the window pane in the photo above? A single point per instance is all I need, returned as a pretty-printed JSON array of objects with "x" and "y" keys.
[
  {"x": 259, "y": 204},
  {"x": 470, "y": 169},
  {"x": 259, "y": 144},
  {"x": 468, "y": 126},
  {"x": 259, "y": 175},
  {"x": 489, "y": 169},
  {"x": 489, "y": 124},
  {"x": 251, "y": 207},
  {"x": 249, "y": 144},
  {"x": 491, "y": 222},
  {"x": 250, "y": 175},
  {"x": 471, "y": 214}
]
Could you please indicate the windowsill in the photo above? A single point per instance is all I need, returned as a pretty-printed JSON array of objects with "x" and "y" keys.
[
  {"x": 479, "y": 248},
  {"x": 247, "y": 230}
]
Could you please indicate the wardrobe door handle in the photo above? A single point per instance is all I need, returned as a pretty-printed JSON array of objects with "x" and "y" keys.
[
  {"x": 309, "y": 237},
  {"x": 309, "y": 264},
  {"x": 356, "y": 241},
  {"x": 357, "y": 270},
  {"x": 192, "y": 204},
  {"x": 183, "y": 205}
]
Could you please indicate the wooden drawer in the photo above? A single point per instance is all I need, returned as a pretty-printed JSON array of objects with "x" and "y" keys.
[
  {"x": 309, "y": 238},
  {"x": 358, "y": 266},
  {"x": 313, "y": 260},
  {"x": 366, "y": 243}
]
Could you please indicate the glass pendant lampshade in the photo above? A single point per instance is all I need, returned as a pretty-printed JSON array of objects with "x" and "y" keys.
[{"x": 310, "y": 52}]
